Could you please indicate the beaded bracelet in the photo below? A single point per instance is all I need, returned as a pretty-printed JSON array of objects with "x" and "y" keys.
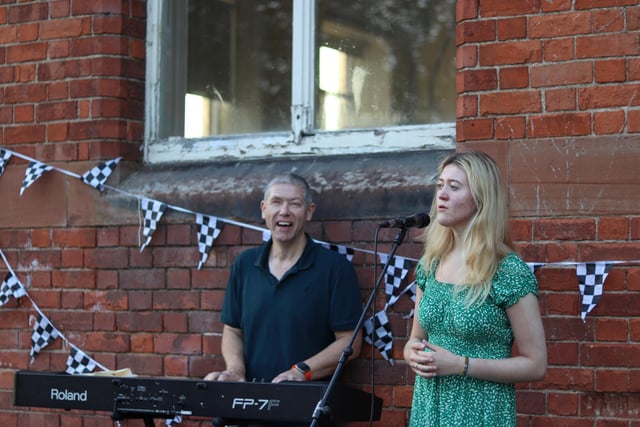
[{"x": 466, "y": 366}]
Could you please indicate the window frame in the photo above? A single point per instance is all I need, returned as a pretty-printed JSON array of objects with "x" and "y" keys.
[{"x": 302, "y": 140}]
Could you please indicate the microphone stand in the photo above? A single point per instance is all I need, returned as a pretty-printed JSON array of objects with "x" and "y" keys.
[{"x": 322, "y": 408}]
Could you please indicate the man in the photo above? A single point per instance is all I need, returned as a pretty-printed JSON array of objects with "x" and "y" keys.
[{"x": 291, "y": 305}]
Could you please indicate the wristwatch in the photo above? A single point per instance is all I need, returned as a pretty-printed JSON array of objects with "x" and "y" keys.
[{"x": 304, "y": 369}]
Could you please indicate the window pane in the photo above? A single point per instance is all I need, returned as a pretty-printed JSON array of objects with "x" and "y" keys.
[
  {"x": 231, "y": 67},
  {"x": 385, "y": 63}
]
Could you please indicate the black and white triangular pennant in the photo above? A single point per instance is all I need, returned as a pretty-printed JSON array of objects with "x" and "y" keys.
[
  {"x": 591, "y": 277},
  {"x": 43, "y": 334},
  {"x": 378, "y": 334},
  {"x": 4, "y": 159},
  {"x": 11, "y": 287},
  {"x": 208, "y": 232},
  {"x": 79, "y": 363},
  {"x": 97, "y": 176},
  {"x": 396, "y": 272},
  {"x": 342, "y": 250},
  {"x": 152, "y": 210},
  {"x": 34, "y": 171}
]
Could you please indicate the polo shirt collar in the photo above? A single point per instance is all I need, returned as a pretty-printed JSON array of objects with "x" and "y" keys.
[{"x": 305, "y": 261}]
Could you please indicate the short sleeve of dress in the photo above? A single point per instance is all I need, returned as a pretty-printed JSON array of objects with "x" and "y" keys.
[
  {"x": 512, "y": 281},
  {"x": 421, "y": 276}
]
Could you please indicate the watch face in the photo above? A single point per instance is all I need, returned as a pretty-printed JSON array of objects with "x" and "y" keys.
[{"x": 303, "y": 367}]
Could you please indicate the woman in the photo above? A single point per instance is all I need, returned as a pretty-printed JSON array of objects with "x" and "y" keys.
[{"x": 475, "y": 297}]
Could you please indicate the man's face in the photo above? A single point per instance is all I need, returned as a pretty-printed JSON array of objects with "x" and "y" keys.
[{"x": 286, "y": 212}]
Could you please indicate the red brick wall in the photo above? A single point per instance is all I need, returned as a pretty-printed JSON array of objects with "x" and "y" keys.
[{"x": 550, "y": 88}]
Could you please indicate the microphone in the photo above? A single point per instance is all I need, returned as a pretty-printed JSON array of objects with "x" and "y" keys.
[{"x": 418, "y": 220}]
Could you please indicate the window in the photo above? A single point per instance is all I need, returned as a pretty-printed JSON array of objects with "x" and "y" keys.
[{"x": 231, "y": 79}]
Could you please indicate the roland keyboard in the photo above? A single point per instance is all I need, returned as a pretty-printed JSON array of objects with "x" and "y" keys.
[{"x": 143, "y": 397}]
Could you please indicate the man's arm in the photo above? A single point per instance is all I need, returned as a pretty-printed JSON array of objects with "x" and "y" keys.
[
  {"x": 233, "y": 354},
  {"x": 324, "y": 363}
]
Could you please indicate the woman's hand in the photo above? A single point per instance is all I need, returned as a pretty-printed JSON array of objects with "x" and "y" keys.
[{"x": 419, "y": 360}]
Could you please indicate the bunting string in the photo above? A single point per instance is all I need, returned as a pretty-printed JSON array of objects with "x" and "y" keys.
[{"x": 591, "y": 275}]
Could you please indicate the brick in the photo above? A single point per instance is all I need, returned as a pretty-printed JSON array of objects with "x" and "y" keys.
[
  {"x": 565, "y": 404},
  {"x": 563, "y": 353},
  {"x": 570, "y": 379},
  {"x": 466, "y": 10},
  {"x": 115, "y": 258},
  {"x": 466, "y": 57},
  {"x": 610, "y": 45},
  {"x": 99, "y": 8},
  {"x": 74, "y": 237},
  {"x": 608, "y": 20},
  {"x": 180, "y": 234},
  {"x": 176, "y": 366},
  {"x": 26, "y": 52},
  {"x": 510, "y": 53},
  {"x": 609, "y": 122},
  {"x": 609, "y": 71},
  {"x": 634, "y": 279},
  {"x": 612, "y": 329},
  {"x": 61, "y": 28},
  {"x": 561, "y": 304},
  {"x": 468, "y": 130},
  {"x": 608, "y": 405},
  {"x": 201, "y": 322},
  {"x": 564, "y": 229},
  {"x": 634, "y": 329},
  {"x": 41, "y": 238},
  {"x": 561, "y": 74},
  {"x": 142, "y": 279},
  {"x": 175, "y": 322},
  {"x": 560, "y": 99},
  {"x": 73, "y": 279},
  {"x": 176, "y": 257},
  {"x": 489, "y": 8},
  {"x": 139, "y": 322},
  {"x": 510, "y": 128},
  {"x": 168, "y": 300},
  {"x": 530, "y": 402},
  {"x": 512, "y": 28},
  {"x": 167, "y": 343},
  {"x": 556, "y": 5},
  {"x": 633, "y": 18},
  {"x": 98, "y": 45},
  {"x": 466, "y": 106},
  {"x": 476, "y": 31},
  {"x": 610, "y": 251},
  {"x": 610, "y": 355},
  {"x": 146, "y": 364},
  {"x": 514, "y": 78},
  {"x": 613, "y": 228},
  {"x": 28, "y": 12},
  {"x": 24, "y": 114},
  {"x": 551, "y": 125},
  {"x": 35, "y": 92},
  {"x": 476, "y": 80},
  {"x": 516, "y": 102},
  {"x": 633, "y": 122},
  {"x": 592, "y": 4},
  {"x": 559, "y": 25},
  {"x": 561, "y": 49}
]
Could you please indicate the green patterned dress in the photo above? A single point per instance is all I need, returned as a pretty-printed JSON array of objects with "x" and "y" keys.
[{"x": 480, "y": 331}]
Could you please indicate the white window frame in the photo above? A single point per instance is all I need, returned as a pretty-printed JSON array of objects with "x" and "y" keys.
[{"x": 302, "y": 140}]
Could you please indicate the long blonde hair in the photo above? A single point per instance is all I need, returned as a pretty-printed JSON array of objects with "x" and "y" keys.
[{"x": 486, "y": 240}]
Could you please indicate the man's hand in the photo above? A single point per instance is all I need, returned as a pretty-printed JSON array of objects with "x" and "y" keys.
[{"x": 224, "y": 376}]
